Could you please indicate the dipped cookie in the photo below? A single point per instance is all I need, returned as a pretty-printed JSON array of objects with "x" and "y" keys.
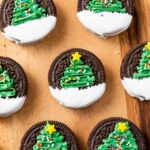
[
  {"x": 49, "y": 135},
  {"x": 13, "y": 86},
  {"x": 116, "y": 134},
  {"x": 27, "y": 21},
  {"x": 135, "y": 72},
  {"x": 77, "y": 78},
  {"x": 105, "y": 18}
]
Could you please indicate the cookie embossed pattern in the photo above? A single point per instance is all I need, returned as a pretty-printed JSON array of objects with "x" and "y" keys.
[
  {"x": 27, "y": 21},
  {"x": 77, "y": 78},
  {"x": 105, "y": 18},
  {"x": 135, "y": 72},
  {"x": 116, "y": 134},
  {"x": 13, "y": 87},
  {"x": 49, "y": 135}
]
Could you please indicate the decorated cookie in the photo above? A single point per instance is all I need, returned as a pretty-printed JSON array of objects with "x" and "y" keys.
[
  {"x": 105, "y": 18},
  {"x": 116, "y": 134},
  {"x": 13, "y": 86},
  {"x": 135, "y": 72},
  {"x": 49, "y": 135},
  {"x": 76, "y": 78},
  {"x": 27, "y": 21}
]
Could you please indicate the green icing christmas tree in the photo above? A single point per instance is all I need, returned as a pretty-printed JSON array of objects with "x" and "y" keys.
[
  {"x": 6, "y": 84},
  {"x": 143, "y": 70},
  {"x": 26, "y": 10},
  {"x": 106, "y": 6},
  {"x": 77, "y": 75},
  {"x": 120, "y": 139},
  {"x": 50, "y": 139}
]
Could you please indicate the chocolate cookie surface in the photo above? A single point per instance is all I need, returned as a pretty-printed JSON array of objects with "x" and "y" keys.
[
  {"x": 128, "y": 4},
  {"x": 58, "y": 66},
  {"x": 135, "y": 72},
  {"x": 30, "y": 137},
  {"x": 131, "y": 61},
  {"x": 6, "y": 11},
  {"x": 17, "y": 73},
  {"x": 13, "y": 86},
  {"x": 76, "y": 78},
  {"x": 105, "y": 127},
  {"x": 27, "y": 21},
  {"x": 98, "y": 16}
]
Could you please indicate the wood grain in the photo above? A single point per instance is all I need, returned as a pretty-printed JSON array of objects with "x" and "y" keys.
[
  {"x": 138, "y": 33},
  {"x": 37, "y": 58}
]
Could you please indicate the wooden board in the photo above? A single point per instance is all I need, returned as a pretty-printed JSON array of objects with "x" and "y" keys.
[
  {"x": 138, "y": 33},
  {"x": 37, "y": 58}
]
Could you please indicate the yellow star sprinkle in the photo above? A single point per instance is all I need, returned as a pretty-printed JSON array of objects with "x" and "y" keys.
[
  {"x": 147, "y": 46},
  {"x": 50, "y": 129},
  {"x": 122, "y": 126},
  {"x": 76, "y": 56}
]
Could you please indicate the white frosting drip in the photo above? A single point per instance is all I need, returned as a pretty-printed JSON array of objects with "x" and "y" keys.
[
  {"x": 137, "y": 88},
  {"x": 9, "y": 106},
  {"x": 75, "y": 98},
  {"x": 30, "y": 31},
  {"x": 105, "y": 24}
]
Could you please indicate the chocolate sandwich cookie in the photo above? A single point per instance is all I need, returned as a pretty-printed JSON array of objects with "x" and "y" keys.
[
  {"x": 76, "y": 78},
  {"x": 49, "y": 135},
  {"x": 27, "y": 21},
  {"x": 105, "y": 18},
  {"x": 116, "y": 134},
  {"x": 13, "y": 86},
  {"x": 135, "y": 72}
]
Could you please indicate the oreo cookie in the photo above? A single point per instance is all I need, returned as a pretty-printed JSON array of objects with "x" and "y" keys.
[
  {"x": 105, "y": 18},
  {"x": 49, "y": 135},
  {"x": 116, "y": 134},
  {"x": 13, "y": 86},
  {"x": 76, "y": 78},
  {"x": 135, "y": 72},
  {"x": 27, "y": 21}
]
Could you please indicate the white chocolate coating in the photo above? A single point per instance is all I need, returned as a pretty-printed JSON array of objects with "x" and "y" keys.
[
  {"x": 75, "y": 98},
  {"x": 9, "y": 106},
  {"x": 137, "y": 88},
  {"x": 30, "y": 31},
  {"x": 105, "y": 24}
]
